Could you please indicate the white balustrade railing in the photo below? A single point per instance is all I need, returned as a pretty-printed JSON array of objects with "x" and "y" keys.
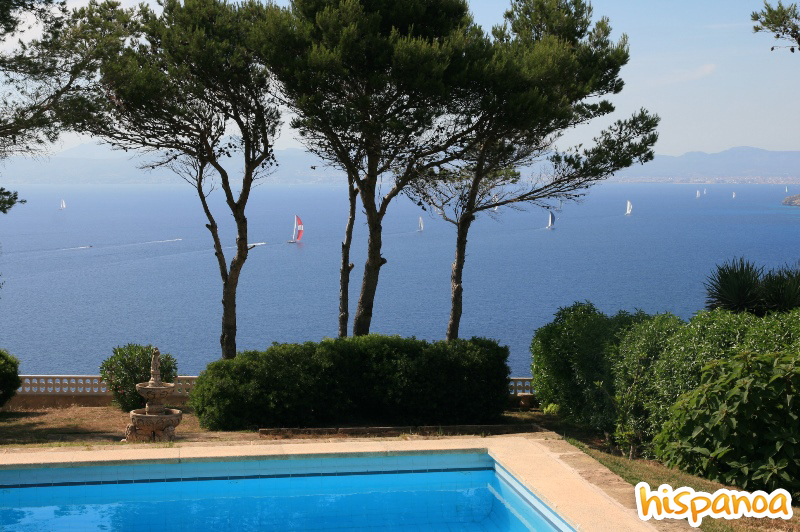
[
  {"x": 83, "y": 385},
  {"x": 518, "y": 385},
  {"x": 94, "y": 385}
]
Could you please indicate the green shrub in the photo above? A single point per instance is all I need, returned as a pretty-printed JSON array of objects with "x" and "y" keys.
[
  {"x": 9, "y": 376},
  {"x": 740, "y": 426},
  {"x": 661, "y": 359},
  {"x": 130, "y": 365},
  {"x": 706, "y": 337},
  {"x": 572, "y": 362},
  {"x": 361, "y": 380},
  {"x": 551, "y": 410},
  {"x": 636, "y": 396}
]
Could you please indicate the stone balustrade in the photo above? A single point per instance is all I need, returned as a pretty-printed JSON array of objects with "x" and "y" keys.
[
  {"x": 91, "y": 390},
  {"x": 82, "y": 390},
  {"x": 83, "y": 385},
  {"x": 518, "y": 385}
]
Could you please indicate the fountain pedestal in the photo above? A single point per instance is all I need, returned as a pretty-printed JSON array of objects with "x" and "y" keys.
[{"x": 154, "y": 422}]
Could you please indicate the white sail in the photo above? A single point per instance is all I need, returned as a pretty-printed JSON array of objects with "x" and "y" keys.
[
  {"x": 734, "y": 195},
  {"x": 63, "y": 205},
  {"x": 494, "y": 200},
  {"x": 421, "y": 225},
  {"x": 551, "y": 219},
  {"x": 698, "y": 194},
  {"x": 705, "y": 191},
  {"x": 629, "y": 208}
]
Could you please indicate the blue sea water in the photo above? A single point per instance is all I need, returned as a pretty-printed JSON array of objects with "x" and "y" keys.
[{"x": 134, "y": 263}]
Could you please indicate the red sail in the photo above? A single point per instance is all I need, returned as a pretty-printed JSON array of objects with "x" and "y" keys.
[{"x": 299, "y": 223}]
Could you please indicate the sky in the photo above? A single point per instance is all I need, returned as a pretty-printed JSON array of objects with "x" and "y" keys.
[{"x": 697, "y": 64}]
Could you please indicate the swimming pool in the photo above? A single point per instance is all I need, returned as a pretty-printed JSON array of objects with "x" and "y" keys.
[{"x": 402, "y": 491}]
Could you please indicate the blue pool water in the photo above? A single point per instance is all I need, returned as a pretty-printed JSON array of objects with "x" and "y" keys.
[{"x": 465, "y": 491}]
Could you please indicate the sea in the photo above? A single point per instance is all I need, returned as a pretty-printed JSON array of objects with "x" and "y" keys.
[{"x": 134, "y": 264}]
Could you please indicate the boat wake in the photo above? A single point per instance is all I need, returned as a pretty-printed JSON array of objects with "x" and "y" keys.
[
  {"x": 158, "y": 241},
  {"x": 106, "y": 247},
  {"x": 141, "y": 243}
]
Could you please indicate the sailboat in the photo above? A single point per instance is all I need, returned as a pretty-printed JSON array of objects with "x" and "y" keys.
[
  {"x": 734, "y": 195},
  {"x": 787, "y": 188},
  {"x": 494, "y": 200},
  {"x": 698, "y": 194},
  {"x": 63, "y": 205},
  {"x": 421, "y": 225},
  {"x": 550, "y": 220},
  {"x": 297, "y": 234},
  {"x": 629, "y": 208},
  {"x": 705, "y": 191}
]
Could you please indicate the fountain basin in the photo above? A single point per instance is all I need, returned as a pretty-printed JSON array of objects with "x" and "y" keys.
[
  {"x": 156, "y": 422},
  {"x": 150, "y": 392}
]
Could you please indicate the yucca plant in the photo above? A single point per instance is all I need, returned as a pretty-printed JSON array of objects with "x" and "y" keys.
[
  {"x": 735, "y": 286},
  {"x": 780, "y": 290}
]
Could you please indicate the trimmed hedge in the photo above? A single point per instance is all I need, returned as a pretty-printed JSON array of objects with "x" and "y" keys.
[
  {"x": 9, "y": 376},
  {"x": 377, "y": 380},
  {"x": 129, "y": 365},
  {"x": 740, "y": 426},
  {"x": 573, "y": 360}
]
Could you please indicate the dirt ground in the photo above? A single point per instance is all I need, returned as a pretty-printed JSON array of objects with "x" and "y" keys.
[
  {"x": 91, "y": 425},
  {"x": 105, "y": 425}
]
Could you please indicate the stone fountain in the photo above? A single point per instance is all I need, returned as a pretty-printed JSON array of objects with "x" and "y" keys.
[{"x": 154, "y": 422}]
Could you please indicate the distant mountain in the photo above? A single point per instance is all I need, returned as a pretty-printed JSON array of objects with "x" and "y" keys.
[
  {"x": 93, "y": 163},
  {"x": 743, "y": 164}
]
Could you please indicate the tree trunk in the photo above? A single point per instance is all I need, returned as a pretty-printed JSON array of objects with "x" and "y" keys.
[
  {"x": 462, "y": 228},
  {"x": 227, "y": 339},
  {"x": 372, "y": 269},
  {"x": 344, "y": 279}
]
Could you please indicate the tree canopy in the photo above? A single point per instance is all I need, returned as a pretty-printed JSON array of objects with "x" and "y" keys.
[
  {"x": 781, "y": 20},
  {"x": 185, "y": 87},
  {"x": 373, "y": 86},
  {"x": 35, "y": 79},
  {"x": 12, "y": 13},
  {"x": 549, "y": 70}
]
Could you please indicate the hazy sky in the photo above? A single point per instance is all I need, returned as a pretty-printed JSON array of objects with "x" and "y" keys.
[{"x": 697, "y": 64}]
